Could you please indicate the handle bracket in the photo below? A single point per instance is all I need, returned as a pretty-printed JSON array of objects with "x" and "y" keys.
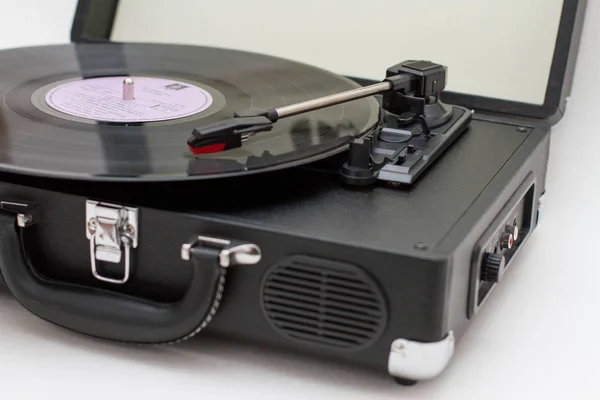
[
  {"x": 231, "y": 252},
  {"x": 27, "y": 213}
]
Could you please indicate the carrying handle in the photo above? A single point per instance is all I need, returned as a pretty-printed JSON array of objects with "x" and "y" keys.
[{"x": 111, "y": 315}]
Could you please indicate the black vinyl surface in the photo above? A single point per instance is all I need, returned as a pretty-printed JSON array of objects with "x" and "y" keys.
[{"x": 37, "y": 142}]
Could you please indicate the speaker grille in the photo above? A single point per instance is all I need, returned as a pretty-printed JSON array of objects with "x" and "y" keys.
[{"x": 330, "y": 303}]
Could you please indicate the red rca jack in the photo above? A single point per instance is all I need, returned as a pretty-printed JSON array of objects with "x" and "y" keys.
[{"x": 510, "y": 235}]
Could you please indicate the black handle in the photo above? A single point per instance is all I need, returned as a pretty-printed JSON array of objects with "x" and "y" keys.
[{"x": 110, "y": 315}]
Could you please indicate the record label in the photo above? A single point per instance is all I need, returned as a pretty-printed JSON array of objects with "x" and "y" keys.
[{"x": 145, "y": 99}]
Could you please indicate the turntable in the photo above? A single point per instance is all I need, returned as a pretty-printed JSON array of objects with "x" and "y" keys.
[{"x": 159, "y": 192}]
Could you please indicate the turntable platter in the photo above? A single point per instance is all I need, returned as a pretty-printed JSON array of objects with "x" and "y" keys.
[{"x": 65, "y": 113}]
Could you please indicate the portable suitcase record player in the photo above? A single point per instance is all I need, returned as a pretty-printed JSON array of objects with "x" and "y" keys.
[{"x": 165, "y": 176}]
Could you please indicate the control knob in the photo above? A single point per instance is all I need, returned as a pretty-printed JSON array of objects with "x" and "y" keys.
[{"x": 493, "y": 267}]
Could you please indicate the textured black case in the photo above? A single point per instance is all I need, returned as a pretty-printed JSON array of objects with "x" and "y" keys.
[{"x": 414, "y": 244}]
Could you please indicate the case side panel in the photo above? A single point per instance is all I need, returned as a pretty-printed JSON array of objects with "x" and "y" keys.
[
  {"x": 413, "y": 288},
  {"x": 530, "y": 159}
]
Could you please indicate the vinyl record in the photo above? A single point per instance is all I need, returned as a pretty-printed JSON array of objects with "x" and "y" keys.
[{"x": 64, "y": 114}]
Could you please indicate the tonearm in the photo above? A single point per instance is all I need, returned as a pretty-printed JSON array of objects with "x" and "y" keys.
[{"x": 407, "y": 89}]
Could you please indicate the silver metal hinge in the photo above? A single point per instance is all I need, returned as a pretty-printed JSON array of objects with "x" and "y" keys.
[
  {"x": 230, "y": 252},
  {"x": 112, "y": 231},
  {"x": 417, "y": 361}
]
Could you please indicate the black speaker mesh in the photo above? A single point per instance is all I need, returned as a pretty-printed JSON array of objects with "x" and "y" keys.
[{"x": 330, "y": 303}]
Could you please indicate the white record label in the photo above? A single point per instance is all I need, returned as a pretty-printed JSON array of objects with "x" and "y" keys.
[{"x": 103, "y": 99}]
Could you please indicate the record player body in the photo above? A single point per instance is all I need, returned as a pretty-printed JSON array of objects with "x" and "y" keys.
[
  {"x": 387, "y": 277},
  {"x": 368, "y": 225},
  {"x": 152, "y": 193}
]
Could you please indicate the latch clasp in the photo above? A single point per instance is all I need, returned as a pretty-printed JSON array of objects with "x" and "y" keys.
[{"x": 112, "y": 230}]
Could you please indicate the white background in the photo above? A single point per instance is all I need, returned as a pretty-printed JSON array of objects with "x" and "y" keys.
[{"x": 539, "y": 336}]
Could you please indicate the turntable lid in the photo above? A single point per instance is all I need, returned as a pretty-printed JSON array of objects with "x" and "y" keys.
[{"x": 504, "y": 56}]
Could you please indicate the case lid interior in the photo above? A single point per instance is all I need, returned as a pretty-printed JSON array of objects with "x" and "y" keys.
[{"x": 507, "y": 56}]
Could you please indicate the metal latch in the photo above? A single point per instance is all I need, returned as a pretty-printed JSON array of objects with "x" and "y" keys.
[
  {"x": 230, "y": 252},
  {"x": 112, "y": 230}
]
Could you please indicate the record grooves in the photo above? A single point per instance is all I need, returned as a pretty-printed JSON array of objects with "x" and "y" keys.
[{"x": 38, "y": 139}]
